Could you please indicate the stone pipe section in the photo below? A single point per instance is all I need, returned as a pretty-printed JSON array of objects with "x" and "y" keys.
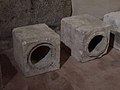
[
  {"x": 86, "y": 36},
  {"x": 36, "y": 49},
  {"x": 113, "y": 19}
]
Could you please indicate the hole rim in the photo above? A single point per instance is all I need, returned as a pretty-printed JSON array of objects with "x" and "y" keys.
[
  {"x": 99, "y": 53},
  {"x": 36, "y": 55},
  {"x": 43, "y": 60},
  {"x": 93, "y": 43}
]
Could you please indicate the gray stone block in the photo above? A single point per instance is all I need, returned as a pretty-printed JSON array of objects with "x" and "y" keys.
[
  {"x": 88, "y": 37},
  {"x": 113, "y": 18},
  {"x": 36, "y": 49}
]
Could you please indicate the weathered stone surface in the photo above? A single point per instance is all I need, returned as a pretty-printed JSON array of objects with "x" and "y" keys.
[
  {"x": 16, "y": 13},
  {"x": 5, "y": 44},
  {"x": 88, "y": 37},
  {"x": 36, "y": 49},
  {"x": 113, "y": 18},
  {"x": 97, "y": 8}
]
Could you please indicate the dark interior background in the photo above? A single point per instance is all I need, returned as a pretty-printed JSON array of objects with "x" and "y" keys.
[{"x": 16, "y": 13}]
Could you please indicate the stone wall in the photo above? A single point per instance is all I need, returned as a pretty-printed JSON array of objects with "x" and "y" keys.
[
  {"x": 16, "y": 13},
  {"x": 97, "y": 8}
]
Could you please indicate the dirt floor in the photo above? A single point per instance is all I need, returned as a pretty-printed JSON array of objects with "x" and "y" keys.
[{"x": 99, "y": 74}]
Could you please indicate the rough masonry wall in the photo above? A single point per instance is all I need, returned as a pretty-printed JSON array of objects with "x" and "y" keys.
[
  {"x": 16, "y": 13},
  {"x": 96, "y": 8}
]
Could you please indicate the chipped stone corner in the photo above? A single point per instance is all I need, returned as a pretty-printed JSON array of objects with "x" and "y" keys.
[
  {"x": 36, "y": 49},
  {"x": 80, "y": 33}
]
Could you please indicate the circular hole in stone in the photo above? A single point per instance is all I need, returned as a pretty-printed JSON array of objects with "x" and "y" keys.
[
  {"x": 39, "y": 53},
  {"x": 94, "y": 42}
]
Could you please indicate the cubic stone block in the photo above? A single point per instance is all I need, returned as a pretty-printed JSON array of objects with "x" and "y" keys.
[
  {"x": 86, "y": 36},
  {"x": 113, "y": 18},
  {"x": 36, "y": 49}
]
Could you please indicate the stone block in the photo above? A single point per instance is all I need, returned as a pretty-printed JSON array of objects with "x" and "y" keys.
[
  {"x": 86, "y": 36},
  {"x": 36, "y": 49},
  {"x": 113, "y": 18}
]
